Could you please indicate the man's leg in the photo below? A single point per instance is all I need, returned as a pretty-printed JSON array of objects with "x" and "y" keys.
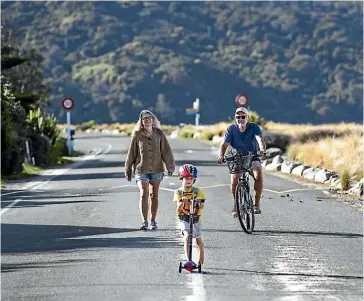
[
  {"x": 234, "y": 183},
  {"x": 258, "y": 184}
]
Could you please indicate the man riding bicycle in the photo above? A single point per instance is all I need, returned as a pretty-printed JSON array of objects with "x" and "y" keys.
[{"x": 244, "y": 137}]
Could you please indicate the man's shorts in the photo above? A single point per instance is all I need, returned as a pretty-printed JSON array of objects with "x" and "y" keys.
[
  {"x": 156, "y": 176},
  {"x": 196, "y": 231},
  {"x": 256, "y": 163}
]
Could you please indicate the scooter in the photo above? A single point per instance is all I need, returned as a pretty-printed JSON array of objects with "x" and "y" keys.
[{"x": 190, "y": 265}]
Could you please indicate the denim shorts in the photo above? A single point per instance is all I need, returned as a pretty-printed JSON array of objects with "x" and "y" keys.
[{"x": 156, "y": 176}]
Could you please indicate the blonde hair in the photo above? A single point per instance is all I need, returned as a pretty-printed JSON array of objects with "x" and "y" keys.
[{"x": 139, "y": 124}]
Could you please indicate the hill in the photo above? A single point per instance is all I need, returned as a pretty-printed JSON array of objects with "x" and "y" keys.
[{"x": 297, "y": 61}]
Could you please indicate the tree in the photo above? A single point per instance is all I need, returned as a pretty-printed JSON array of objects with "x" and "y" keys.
[{"x": 23, "y": 71}]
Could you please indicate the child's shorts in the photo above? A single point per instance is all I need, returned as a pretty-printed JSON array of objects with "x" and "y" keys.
[{"x": 196, "y": 232}]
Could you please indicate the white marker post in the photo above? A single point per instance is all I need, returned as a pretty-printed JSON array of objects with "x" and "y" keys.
[
  {"x": 196, "y": 106},
  {"x": 68, "y": 105}
]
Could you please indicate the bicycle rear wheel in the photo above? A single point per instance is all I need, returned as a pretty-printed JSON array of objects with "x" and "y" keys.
[{"x": 244, "y": 206}]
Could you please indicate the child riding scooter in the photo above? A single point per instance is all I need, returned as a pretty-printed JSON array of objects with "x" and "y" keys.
[{"x": 190, "y": 202}]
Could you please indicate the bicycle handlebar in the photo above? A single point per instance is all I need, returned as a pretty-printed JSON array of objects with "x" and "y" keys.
[{"x": 250, "y": 154}]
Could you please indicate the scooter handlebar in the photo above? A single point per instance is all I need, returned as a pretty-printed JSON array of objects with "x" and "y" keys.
[{"x": 187, "y": 200}]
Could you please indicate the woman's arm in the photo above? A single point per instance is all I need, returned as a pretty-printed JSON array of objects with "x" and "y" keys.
[{"x": 131, "y": 157}]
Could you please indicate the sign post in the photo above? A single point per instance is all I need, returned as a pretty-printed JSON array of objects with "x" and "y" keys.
[
  {"x": 68, "y": 105},
  {"x": 195, "y": 111}
]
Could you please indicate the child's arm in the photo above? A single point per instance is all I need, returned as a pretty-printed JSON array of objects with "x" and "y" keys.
[
  {"x": 180, "y": 206},
  {"x": 201, "y": 199},
  {"x": 177, "y": 200},
  {"x": 200, "y": 203}
]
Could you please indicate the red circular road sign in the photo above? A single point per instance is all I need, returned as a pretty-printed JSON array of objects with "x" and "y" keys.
[
  {"x": 241, "y": 100},
  {"x": 68, "y": 103}
]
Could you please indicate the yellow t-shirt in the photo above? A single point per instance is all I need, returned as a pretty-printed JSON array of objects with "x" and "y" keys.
[{"x": 189, "y": 193}]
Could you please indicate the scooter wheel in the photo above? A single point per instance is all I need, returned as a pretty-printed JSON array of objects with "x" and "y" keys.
[
  {"x": 199, "y": 268},
  {"x": 180, "y": 267}
]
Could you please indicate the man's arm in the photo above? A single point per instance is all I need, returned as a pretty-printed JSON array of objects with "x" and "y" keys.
[
  {"x": 223, "y": 147},
  {"x": 261, "y": 142},
  {"x": 224, "y": 144}
]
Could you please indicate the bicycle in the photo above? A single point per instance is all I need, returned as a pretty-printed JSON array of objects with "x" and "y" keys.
[{"x": 243, "y": 200}]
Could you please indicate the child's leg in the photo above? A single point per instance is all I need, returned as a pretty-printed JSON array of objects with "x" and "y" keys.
[
  {"x": 201, "y": 249},
  {"x": 186, "y": 235},
  {"x": 199, "y": 242}
]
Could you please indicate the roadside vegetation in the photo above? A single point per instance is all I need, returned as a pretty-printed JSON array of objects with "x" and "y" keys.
[{"x": 31, "y": 137}]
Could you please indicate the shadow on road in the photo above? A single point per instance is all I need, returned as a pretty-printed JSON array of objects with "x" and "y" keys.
[
  {"x": 101, "y": 164},
  {"x": 85, "y": 176},
  {"x": 27, "y": 204},
  {"x": 28, "y": 238},
  {"x": 9, "y": 267}
]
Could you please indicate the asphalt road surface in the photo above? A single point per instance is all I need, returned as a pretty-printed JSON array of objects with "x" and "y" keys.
[{"x": 73, "y": 235}]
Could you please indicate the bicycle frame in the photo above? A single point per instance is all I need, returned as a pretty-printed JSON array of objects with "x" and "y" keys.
[{"x": 247, "y": 218}]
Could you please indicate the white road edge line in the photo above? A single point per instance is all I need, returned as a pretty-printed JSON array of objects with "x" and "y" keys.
[
  {"x": 195, "y": 279},
  {"x": 10, "y": 205},
  {"x": 61, "y": 172},
  {"x": 20, "y": 190}
]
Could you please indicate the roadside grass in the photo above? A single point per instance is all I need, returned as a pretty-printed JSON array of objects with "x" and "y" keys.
[
  {"x": 306, "y": 132},
  {"x": 342, "y": 154},
  {"x": 30, "y": 170}
]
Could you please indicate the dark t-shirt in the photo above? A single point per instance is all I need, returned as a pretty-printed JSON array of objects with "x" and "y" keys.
[{"x": 243, "y": 142}]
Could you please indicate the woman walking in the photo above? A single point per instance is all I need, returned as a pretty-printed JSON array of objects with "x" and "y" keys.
[{"x": 148, "y": 150}]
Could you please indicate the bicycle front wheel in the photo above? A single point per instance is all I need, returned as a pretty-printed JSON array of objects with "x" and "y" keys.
[{"x": 244, "y": 206}]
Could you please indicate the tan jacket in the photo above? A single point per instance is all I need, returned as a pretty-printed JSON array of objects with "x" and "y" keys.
[{"x": 147, "y": 154}]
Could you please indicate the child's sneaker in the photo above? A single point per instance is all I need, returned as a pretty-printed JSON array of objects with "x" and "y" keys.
[
  {"x": 144, "y": 226},
  {"x": 153, "y": 225}
]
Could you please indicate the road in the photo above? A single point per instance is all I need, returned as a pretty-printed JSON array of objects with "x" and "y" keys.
[{"x": 76, "y": 237}]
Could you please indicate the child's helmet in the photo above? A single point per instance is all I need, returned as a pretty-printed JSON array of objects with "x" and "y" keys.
[{"x": 188, "y": 170}]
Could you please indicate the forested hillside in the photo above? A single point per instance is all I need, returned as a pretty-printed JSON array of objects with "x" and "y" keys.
[{"x": 297, "y": 61}]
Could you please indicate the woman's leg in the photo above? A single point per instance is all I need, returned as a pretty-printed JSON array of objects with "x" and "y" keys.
[
  {"x": 154, "y": 191},
  {"x": 144, "y": 195}
]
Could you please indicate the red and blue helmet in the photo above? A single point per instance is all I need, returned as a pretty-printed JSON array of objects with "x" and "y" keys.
[{"x": 187, "y": 170}]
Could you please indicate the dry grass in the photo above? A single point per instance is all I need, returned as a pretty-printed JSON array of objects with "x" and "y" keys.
[
  {"x": 338, "y": 154},
  {"x": 310, "y": 131}
]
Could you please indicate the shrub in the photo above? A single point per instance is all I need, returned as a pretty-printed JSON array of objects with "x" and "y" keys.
[
  {"x": 87, "y": 125},
  {"x": 185, "y": 133},
  {"x": 13, "y": 131},
  {"x": 41, "y": 147},
  {"x": 207, "y": 135},
  {"x": 59, "y": 149},
  {"x": 345, "y": 180}
]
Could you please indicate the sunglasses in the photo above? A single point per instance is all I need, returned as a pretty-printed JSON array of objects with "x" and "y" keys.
[
  {"x": 240, "y": 117},
  {"x": 147, "y": 118}
]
